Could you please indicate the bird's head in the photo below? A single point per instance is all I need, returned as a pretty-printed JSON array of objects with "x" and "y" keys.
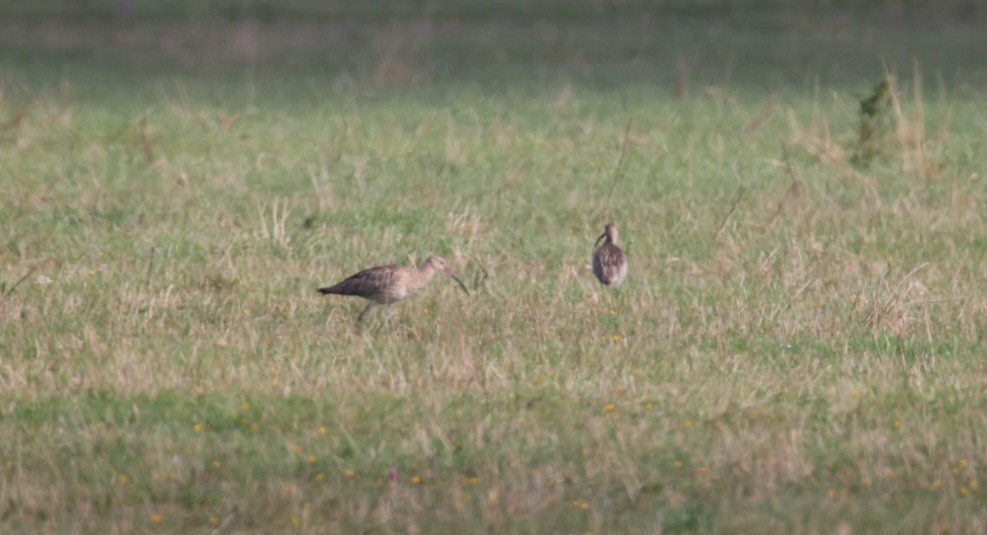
[
  {"x": 438, "y": 263},
  {"x": 609, "y": 234}
]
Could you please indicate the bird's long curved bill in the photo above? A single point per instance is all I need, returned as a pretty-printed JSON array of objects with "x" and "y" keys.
[
  {"x": 598, "y": 240},
  {"x": 455, "y": 278}
]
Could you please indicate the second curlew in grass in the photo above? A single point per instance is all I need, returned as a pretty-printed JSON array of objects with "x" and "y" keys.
[{"x": 609, "y": 261}]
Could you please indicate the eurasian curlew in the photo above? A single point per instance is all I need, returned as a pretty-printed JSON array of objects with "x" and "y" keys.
[
  {"x": 609, "y": 262},
  {"x": 383, "y": 285}
]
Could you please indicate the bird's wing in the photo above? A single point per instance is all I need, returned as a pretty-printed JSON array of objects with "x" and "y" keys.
[
  {"x": 607, "y": 263},
  {"x": 366, "y": 282}
]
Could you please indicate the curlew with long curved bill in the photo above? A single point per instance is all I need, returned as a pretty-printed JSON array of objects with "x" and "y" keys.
[
  {"x": 609, "y": 262},
  {"x": 383, "y": 285}
]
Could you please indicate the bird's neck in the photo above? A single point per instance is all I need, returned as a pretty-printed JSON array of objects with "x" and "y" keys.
[{"x": 425, "y": 272}]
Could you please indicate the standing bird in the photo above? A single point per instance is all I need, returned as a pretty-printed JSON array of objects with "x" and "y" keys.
[
  {"x": 609, "y": 262},
  {"x": 383, "y": 285}
]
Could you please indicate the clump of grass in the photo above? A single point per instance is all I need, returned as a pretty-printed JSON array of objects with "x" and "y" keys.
[
  {"x": 874, "y": 117},
  {"x": 883, "y": 117}
]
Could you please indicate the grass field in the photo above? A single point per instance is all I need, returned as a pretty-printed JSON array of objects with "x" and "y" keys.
[{"x": 798, "y": 348}]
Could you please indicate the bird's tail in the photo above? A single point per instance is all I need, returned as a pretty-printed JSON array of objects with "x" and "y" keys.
[{"x": 327, "y": 290}]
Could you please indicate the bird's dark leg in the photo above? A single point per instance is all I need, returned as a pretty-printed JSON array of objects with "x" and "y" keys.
[{"x": 359, "y": 318}]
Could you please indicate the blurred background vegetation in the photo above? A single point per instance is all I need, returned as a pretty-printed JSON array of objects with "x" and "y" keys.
[
  {"x": 884, "y": 12},
  {"x": 303, "y": 48}
]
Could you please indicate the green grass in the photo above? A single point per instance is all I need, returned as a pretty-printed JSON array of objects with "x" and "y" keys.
[{"x": 798, "y": 347}]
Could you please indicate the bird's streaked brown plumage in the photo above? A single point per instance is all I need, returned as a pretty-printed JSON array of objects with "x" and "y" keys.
[
  {"x": 609, "y": 262},
  {"x": 383, "y": 285}
]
